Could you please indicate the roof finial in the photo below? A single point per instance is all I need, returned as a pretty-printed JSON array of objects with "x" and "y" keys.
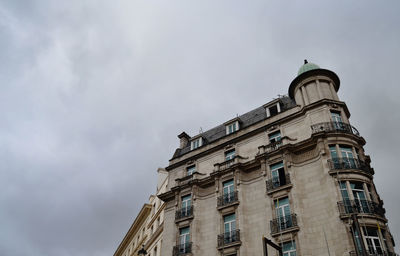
[{"x": 305, "y": 61}]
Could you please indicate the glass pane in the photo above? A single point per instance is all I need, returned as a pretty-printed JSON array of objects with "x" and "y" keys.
[
  {"x": 276, "y": 136},
  {"x": 229, "y": 218},
  {"x": 276, "y": 166}
]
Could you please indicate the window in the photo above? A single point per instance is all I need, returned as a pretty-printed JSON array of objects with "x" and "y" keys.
[
  {"x": 190, "y": 170},
  {"x": 360, "y": 204},
  {"x": 275, "y": 137},
  {"x": 184, "y": 238},
  {"x": 278, "y": 175},
  {"x": 273, "y": 110},
  {"x": 289, "y": 248},
  {"x": 230, "y": 228},
  {"x": 347, "y": 157},
  {"x": 196, "y": 143},
  {"x": 373, "y": 241},
  {"x": 283, "y": 213},
  {"x": 336, "y": 117},
  {"x": 229, "y": 191},
  {"x": 186, "y": 205},
  {"x": 232, "y": 127},
  {"x": 229, "y": 155}
]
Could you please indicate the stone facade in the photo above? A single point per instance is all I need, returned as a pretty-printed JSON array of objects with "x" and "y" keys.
[{"x": 293, "y": 171}]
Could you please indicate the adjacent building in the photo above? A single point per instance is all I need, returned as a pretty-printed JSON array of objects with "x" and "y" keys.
[
  {"x": 147, "y": 229},
  {"x": 293, "y": 171}
]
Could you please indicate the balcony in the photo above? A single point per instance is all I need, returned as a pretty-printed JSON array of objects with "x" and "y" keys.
[
  {"x": 360, "y": 206},
  {"x": 182, "y": 249},
  {"x": 282, "y": 224},
  {"x": 347, "y": 163},
  {"x": 227, "y": 199},
  {"x": 277, "y": 182},
  {"x": 334, "y": 127},
  {"x": 184, "y": 213},
  {"x": 271, "y": 147},
  {"x": 229, "y": 238}
]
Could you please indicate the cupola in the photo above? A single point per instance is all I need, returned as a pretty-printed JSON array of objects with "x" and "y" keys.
[{"x": 312, "y": 84}]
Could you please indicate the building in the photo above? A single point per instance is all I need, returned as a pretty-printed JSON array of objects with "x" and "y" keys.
[
  {"x": 147, "y": 229},
  {"x": 293, "y": 171}
]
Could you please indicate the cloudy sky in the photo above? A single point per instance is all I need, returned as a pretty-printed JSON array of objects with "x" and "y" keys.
[{"x": 94, "y": 93}]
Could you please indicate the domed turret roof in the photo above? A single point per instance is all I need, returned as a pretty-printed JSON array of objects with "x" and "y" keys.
[{"x": 307, "y": 67}]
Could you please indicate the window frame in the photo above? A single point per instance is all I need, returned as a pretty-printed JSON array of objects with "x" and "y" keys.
[
  {"x": 232, "y": 127},
  {"x": 196, "y": 143}
]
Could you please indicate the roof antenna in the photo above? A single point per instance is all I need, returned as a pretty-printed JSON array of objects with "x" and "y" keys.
[{"x": 305, "y": 61}]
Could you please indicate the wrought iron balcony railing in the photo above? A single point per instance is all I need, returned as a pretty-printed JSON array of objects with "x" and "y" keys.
[
  {"x": 349, "y": 163},
  {"x": 354, "y": 253},
  {"x": 229, "y": 237},
  {"x": 184, "y": 213},
  {"x": 360, "y": 206},
  {"x": 334, "y": 127},
  {"x": 182, "y": 249},
  {"x": 277, "y": 182},
  {"x": 283, "y": 223},
  {"x": 227, "y": 198}
]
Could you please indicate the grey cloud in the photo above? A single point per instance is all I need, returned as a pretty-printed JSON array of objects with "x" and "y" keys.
[{"x": 95, "y": 92}]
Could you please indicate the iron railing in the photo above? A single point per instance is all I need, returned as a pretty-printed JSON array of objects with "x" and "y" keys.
[
  {"x": 360, "y": 206},
  {"x": 184, "y": 213},
  {"x": 182, "y": 249},
  {"x": 282, "y": 223},
  {"x": 229, "y": 237},
  {"x": 227, "y": 198},
  {"x": 354, "y": 253},
  {"x": 349, "y": 163},
  {"x": 334, "y": 127},
  {"x": 276, "y": 182}
]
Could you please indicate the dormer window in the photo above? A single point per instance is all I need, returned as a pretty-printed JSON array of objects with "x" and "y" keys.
[
  {"x": 273, "y": 109},
  {"x": 196, "y": 143},
  {"x": 232, "y": 127}
]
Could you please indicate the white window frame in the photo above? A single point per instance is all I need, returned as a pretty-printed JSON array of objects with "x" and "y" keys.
[
  {"x": 196, "y": 143},
  {"x": 232, "y": 127},
  {"x": 291, "y": 252},
  {"x": 278, "y": 107}
]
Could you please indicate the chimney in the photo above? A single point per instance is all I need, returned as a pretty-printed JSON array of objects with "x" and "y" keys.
[{"x": 184, "y": 140}]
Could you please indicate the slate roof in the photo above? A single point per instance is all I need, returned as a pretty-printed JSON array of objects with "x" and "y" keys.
[{"x": 246, "y": 120}]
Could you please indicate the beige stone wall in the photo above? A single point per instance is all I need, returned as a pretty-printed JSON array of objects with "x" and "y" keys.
[{"x": 313, "y": 195}]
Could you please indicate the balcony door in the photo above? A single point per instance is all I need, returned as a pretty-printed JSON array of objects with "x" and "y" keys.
[
  {"x": 186, "y": 204},
  {"x": 282, "y": 208},
  {"x": 348, "y": 157},
  {"x": 184, "y": 238},
  {"x": 229, "y": 190},
  {"x": 229, "y": 228},
  {"x": 373, "y": 241},
  {"x": 336, "y": 117},
  {"x": 278, "y": 175},
  {"x": 360, "y": 199}
]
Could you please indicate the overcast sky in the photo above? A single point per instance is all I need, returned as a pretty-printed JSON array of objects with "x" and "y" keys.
[{"x": 94, "y": 93}]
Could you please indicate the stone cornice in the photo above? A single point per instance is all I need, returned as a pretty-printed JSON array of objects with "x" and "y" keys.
[
  {"x": 154, "y": 236},
  {"x": 219, "y": 146},
  {"x": 156, "y": 215}
]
